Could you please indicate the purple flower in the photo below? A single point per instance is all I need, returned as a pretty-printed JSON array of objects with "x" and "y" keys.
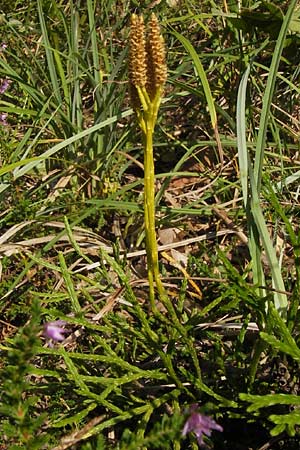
[
  {"x": 199, "y": 424},
  {"x": 55, "y": 330},
  {"x": 3, "y": 120},
  {"x": 4, "y": 86},
  {"x": 3, "y": 46}
]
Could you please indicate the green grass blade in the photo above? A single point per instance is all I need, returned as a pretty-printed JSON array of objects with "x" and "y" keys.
[
  {"x": 69, "y": 284},
  {"x": 241, "y": 135},
  {"x": 49, "y": 54},
  {"x": 94, "y": 45},
  {"x": 10, "y": 167},
  {"x": 61, "y": 72},
  {"x": 202, "y": 75},
  {"x": 280, "y": 299},
  {"x": 288, "y": 180},
  {"x": 207, "y": 91},
  {"x": 268, "y": 95},
  {"x": 77, "y": 116},
  {"x": 244, "y": 166}
]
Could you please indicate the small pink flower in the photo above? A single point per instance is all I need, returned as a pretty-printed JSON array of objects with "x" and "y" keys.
[
  {"x": 55, "y": 330},
  {"x": 4, "y": 85},
  {"x": 199, "y": 424},
  {"x": 3, "y": 117}
]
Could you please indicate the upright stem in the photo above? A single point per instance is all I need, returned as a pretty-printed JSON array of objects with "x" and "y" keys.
[
  {"x": 149, "y": 206},
  {"x": 149, "y": 196}
]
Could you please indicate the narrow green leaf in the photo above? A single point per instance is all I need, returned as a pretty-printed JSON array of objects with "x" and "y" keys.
[
  {"x": 280, "y": 298},
  {"x": 69, "y": 283},
  {"x": 49, "y": 52},
  {"x": 202, "y": 75},
  {"x": 268, "y": 95},
  {"x": 241, "y": 135}
]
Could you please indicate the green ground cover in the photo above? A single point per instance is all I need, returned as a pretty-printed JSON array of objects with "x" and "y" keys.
[{"x": 95, "y": 354}]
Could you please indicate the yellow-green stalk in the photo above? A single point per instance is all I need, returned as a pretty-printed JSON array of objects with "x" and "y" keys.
[{"x": 147, "y": 76}]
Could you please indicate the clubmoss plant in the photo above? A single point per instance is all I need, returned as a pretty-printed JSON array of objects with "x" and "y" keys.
[
  {"x": 20, "y": 426},
  {"x": 147, "y": 75}
]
